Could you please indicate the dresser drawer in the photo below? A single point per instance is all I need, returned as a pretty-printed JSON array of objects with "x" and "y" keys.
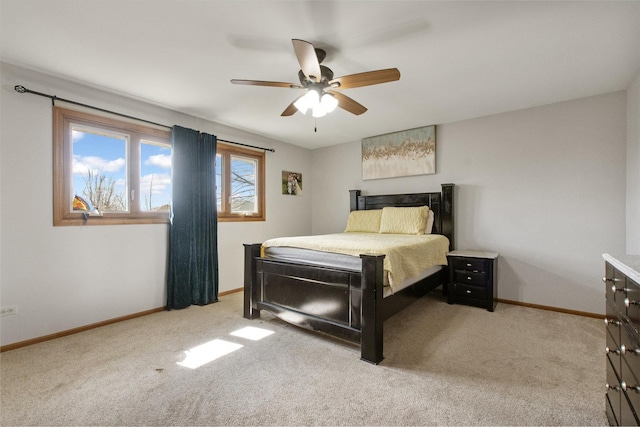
[
  {"x": 612, "y": 285},
  {"x": 630, "y": 367},
  {"x": 632, "y": 302},
  {"x": 611, "y": 412},
  {"x": 613, "y": 325},
  {"x": 614, "y": 351},
  {"x": 613, "y": 393},
  {"x": 617, "y": 289},
  {"x": 470, "y": 264},
  {"x": 470, "y": 278}
]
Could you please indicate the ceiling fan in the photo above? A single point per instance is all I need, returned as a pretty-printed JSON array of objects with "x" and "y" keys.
[{"x": 323, "y": 94}]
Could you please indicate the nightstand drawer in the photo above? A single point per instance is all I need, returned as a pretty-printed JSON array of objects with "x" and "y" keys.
[
  {"x": 470, "y": 264},
  {"x": 470, "y": 278},
  {"x": 472, "y": 292}
]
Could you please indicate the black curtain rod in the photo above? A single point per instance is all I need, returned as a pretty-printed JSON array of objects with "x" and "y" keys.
[
  {"x": 247, "y": 145},
  {"x": 22, "y": 89}
]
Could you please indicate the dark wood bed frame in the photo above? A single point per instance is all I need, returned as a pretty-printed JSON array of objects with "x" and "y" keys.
[{"x": 342, "y": 302}]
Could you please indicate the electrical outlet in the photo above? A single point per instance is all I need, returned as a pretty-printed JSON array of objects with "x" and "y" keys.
[{"x": 8, "y": 311}]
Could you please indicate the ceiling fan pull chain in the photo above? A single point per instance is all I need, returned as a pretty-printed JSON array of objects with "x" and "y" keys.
[{"x": 315, "y": 125}]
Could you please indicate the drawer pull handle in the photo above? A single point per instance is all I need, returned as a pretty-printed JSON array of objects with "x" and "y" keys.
[
  {"x": 623, "y": 386},
  {"x": 468, "y": 265},
  {"x": 613, "y": 322},
  {"x": 635, "y": 388},
  {"x": 615, "y": 289},
  {"x": 628, "y": 302},
  {"x": 468, "y": 291},
  {"x": 611, "y": 279},
  {"x": 625, "y": 350},
  {"x": 607, "y": 350},
  {"x": 469, "y": 278}
]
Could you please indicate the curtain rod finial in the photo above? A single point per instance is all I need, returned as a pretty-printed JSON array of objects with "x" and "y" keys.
[{"x": 20, "y": 89}]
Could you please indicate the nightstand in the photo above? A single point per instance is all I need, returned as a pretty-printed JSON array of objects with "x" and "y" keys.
[{"x": 473, "y": 278}]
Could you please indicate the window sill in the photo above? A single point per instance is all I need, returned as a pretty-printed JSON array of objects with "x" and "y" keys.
[
  {"x": 240, "y": 218},
  {"x": 78, "y": 220}
]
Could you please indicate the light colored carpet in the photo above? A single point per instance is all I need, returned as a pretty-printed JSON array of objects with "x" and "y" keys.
[{"x": 444, "y": 365}]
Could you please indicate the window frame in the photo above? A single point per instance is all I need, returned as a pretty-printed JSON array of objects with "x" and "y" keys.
[
  {"x": 63, "y": 118},
  {"x": 225, "y": 214}
]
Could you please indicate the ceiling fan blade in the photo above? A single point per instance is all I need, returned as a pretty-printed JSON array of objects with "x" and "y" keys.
[
  {"x": 348, "y": 104},
  {"x": 290, "y": 110},
  {"x": 265, "y": 83},
  {"x": 367, "y": 79},
  {"x": 307, "y": 58}
]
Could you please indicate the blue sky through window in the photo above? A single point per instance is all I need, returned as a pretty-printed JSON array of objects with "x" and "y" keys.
[
  {"x": 107, "y": 155},
  {"x": 155, "y": 176}
]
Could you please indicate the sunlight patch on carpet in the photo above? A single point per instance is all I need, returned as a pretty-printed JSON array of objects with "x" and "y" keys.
[
  {"x": 207, "y": 352},
  {"x": 252, "y": 333}
]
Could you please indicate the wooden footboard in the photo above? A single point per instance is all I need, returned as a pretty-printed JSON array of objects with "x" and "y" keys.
[{"x": 344, "y": 303}]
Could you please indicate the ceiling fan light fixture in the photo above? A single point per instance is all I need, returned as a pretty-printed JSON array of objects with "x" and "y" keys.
[
  {"x": 328, "y": 102},
  {"x": 301, "y": 105},
  {"x": 318, "y": 105},
  {"x": 319, "y": 111},
  {"x": 309, "y": 101}
]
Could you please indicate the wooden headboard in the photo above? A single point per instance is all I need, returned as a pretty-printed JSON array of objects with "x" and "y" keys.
[{"x": 440, "y": 203}]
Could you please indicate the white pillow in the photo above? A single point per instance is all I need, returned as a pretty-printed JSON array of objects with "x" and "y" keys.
[
  {"x": 411, "y": 220},
  {"x": 430, "y": 219}
]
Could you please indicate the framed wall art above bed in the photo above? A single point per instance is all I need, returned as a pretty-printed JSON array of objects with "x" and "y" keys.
[{"x": 405, "y": 153}]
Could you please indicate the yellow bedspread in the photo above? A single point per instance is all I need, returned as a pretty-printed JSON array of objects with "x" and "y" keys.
[{"x": 405, "y": 255}]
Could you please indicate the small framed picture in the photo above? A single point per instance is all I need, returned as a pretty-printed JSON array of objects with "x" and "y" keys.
[{"x": 292, "y": 183}]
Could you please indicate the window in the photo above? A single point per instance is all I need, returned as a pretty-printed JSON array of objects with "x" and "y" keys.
[
  {"x": 239, "y": 184},
  {"x": 108, "y": 171}
]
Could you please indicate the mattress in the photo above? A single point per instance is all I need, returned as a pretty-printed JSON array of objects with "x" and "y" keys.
[{"x": 408, "y": 258}]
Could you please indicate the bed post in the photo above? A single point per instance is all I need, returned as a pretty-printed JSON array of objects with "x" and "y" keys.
[
  {"x": 446, "y": 211},
  {"x": 251, "y": 251},
  {"x": 371, "y": 308},
  {"x": 353, "y": 199}
]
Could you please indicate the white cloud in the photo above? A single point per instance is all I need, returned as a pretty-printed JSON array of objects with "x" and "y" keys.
[
  {"x": 76, "y": 135},
  {"x": 156, "y": 182},
  {"x": 160, "y": 160},
  {"x": 82, "y": 164},
  {"x": 121, "y": 184}
]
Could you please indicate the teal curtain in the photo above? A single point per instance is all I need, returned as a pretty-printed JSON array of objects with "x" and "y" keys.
[{"x": 192, "y": 276}]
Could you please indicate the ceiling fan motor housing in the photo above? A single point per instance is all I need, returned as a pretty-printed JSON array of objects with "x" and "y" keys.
[{"x": 325, "y": 78}]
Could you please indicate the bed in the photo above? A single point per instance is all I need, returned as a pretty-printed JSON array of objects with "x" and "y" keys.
[{"x": 344, "y": 295}]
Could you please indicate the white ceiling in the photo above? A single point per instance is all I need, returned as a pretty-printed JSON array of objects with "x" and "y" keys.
[{"x": 458, "y": 60}]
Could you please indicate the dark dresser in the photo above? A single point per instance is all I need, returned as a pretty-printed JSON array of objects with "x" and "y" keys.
[{"x": 622, "y": 290}]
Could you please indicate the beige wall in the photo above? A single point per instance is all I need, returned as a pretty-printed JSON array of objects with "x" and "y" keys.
[{"x": 544, "y": 186}]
